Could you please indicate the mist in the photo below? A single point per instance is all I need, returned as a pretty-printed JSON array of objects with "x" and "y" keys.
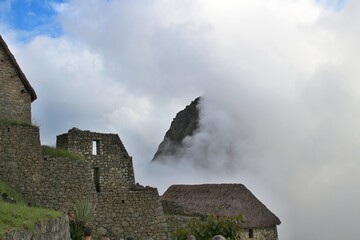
[
  {"x": 298, "y": 154},
  {"x": 279, "y": 85}
]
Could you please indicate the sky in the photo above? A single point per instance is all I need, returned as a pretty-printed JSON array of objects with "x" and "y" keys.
[{"x": 279, "y": 80}]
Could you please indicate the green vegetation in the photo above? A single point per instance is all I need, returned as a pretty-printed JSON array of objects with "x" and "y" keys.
[
  {"x": 18, "y": 215},
  {"x": 5, "y": 188},
  {"x": 47, "y": 150},
  {"x": 15, "y": 216},
  {"x": 229, "y": 227},
  {"x": 17, "y": 123},
  {"x": 81, "y": 214}
]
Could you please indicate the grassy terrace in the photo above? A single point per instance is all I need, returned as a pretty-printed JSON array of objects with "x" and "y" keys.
[
  {"x": 46, "y": 150},
  {"x": 18, "y": 215}
]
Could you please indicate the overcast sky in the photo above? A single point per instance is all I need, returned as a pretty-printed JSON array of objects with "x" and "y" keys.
[{"x": 279, "y": 79}]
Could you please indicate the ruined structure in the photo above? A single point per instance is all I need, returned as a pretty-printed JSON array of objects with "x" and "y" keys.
[
  {"x": 182, "y": 202},
  {"x": 106, "y": 175},
  {"x": 124, "y": 208}
]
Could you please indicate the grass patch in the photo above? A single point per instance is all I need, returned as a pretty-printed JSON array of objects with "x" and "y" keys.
[
  {"x": 47, "y": 150},
  {"x": 17, "y": 123},
  {"x": 17, "y": 216},
  {"x": 5, "y": 188}
]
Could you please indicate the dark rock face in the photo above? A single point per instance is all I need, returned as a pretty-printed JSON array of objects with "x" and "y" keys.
[{"x": 184, "y": 124}]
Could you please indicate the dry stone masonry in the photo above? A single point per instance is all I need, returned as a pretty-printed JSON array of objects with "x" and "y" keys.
[
  {"x": 64, "y": 181},
  {"x": 20, "y": 158},
  {"x": 123, "y": 207},
  {"x": 53, "y": 229},
  {"x": 111, "y": 164},
  {"x": 16, "y": 93},
  {"x": 106, "y": 175}
]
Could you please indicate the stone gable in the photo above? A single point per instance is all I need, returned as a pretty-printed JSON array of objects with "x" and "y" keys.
[{"x": 16, "y": 94}]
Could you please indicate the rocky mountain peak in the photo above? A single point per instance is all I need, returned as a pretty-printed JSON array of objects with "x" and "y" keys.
[{"x": 185, "y": 123}]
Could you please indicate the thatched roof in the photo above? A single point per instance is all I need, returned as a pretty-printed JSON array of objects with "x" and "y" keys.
[
  {"x": 222, "y": 200},
  {"x": 20, "y": 73}
]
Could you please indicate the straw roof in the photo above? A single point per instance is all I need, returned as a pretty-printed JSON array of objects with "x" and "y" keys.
[
  {"x": 222, "y": 200},
  {"x": 20, "y": 73}
]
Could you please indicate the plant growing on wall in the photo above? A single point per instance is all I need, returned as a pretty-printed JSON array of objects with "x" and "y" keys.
[
  {"x": 228, "y": 226},
  {"x": 56, "y": 152},
  {"x": 81, "y": 214}
]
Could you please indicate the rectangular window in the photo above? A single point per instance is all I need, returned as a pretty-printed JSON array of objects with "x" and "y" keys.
[
  {"x": 97, "y": 179},
  {"x": 95, "y": 147},
  {"x": 251, "y": 233}
]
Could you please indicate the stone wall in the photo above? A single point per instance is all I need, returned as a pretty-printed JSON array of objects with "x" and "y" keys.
[
  {"x": 106, "y": 175},
  {"x": 123, "y": 208},
  {"x": 20, "y": 158},
  {"x": 266, "y": 233},
  {"x": 50, "y": 181},
  {"x": 137, "y": 214},
  {"x": 53, "y": 229},
  {"x": 109, "y": 159},
  {"x": 65, "y": 181},
  {"x": 15, "y": 101}
]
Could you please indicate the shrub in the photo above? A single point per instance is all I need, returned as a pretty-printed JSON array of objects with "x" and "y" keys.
[
  {"x": 81, "y": 214},
  {"x": 228, "y": 226}
]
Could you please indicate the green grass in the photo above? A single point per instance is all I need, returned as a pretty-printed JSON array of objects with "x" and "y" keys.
[
  {"x": 18, "y": 215},
  {"x": 17, "y": 123},
  {"x": 5, "y": 188},
  {"x": 47, "y": 150}
]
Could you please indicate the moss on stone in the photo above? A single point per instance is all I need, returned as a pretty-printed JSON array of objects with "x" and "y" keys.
[{"x": 56, "y": 152}]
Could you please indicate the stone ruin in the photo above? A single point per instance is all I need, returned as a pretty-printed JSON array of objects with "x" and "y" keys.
[{"x": 106, "y": 175}]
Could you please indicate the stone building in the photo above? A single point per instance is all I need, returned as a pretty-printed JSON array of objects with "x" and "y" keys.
[
  {"x": 20, "y": 153},
  {"x": 106, "y": 175},
  {"x": 16, "y": 93},
  {"x": 181, "y": 202},
  {"x": 123, "y": 207}
]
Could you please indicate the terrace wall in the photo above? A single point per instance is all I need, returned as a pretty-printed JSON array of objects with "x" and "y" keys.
[
  {"x": 53, "y": 229},
  {"x": 21, "y": 158}
]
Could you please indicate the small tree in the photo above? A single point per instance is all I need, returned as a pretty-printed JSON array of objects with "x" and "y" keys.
[
  {"x": 81, "y": 214},
  {"x": 228, "y": 226}
]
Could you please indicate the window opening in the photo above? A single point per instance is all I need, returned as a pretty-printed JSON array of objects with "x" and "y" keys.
[
  {"x": 95, "y": 147},
  {"x": 97, "y": 179},
  {"x": 251, "y": 233}
]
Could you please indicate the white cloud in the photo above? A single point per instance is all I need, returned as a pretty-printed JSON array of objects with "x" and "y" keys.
[{"x": 281, "y": 96}]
